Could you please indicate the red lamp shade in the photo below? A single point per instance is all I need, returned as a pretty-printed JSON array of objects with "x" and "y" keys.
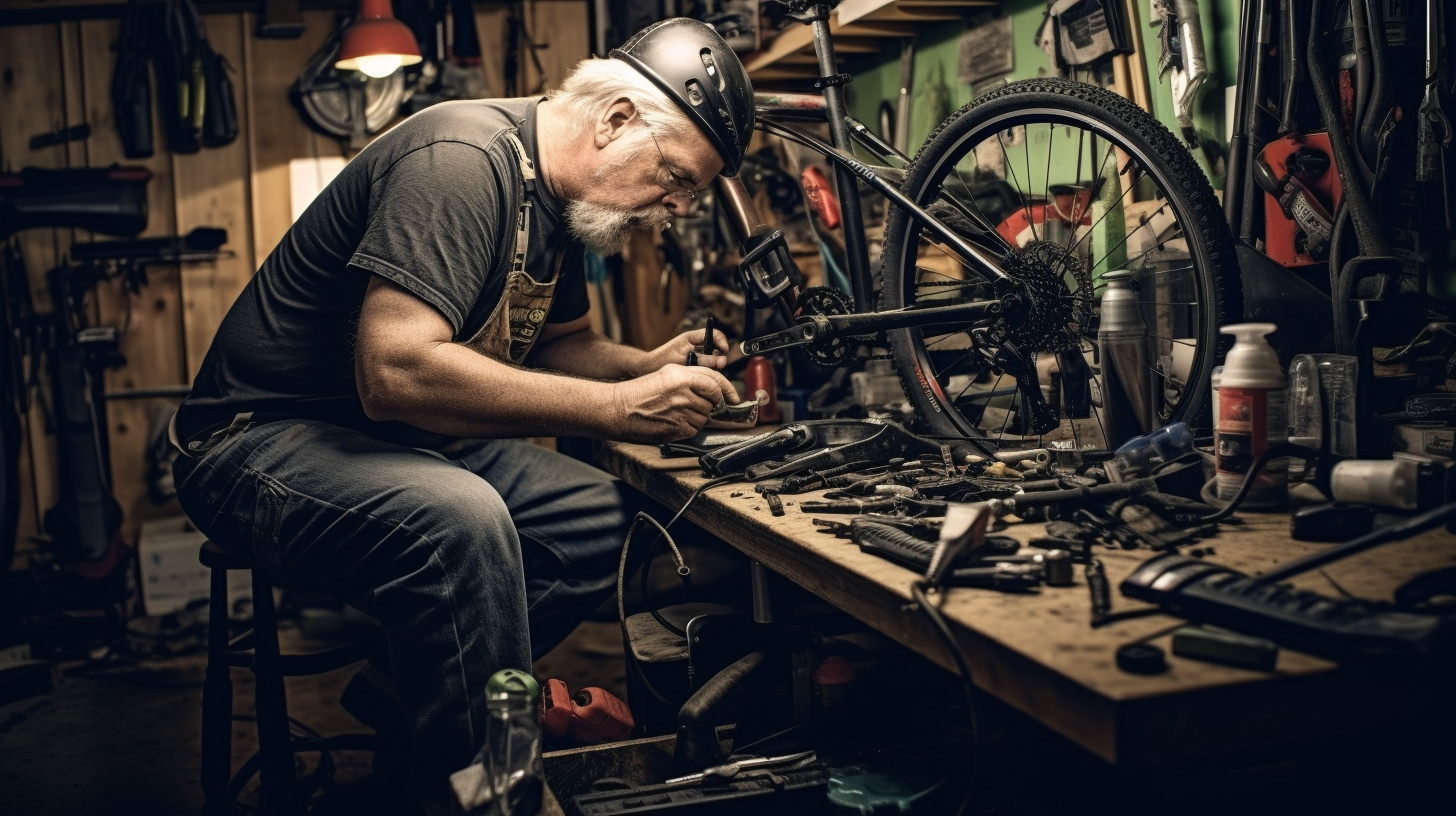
[{"x": 376, "y": 43}]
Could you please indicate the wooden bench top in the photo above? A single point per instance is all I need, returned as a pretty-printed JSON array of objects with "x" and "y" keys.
[{"x": 1038, "y": 652}]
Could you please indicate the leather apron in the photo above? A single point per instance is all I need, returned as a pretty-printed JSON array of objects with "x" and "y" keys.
[{"x": 516, "y": 322}]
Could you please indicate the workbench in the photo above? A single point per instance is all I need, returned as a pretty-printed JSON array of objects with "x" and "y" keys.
[{"x": 1038, "y": 653}]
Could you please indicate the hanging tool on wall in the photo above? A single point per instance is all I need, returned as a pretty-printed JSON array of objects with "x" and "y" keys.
[
  {"x": 131, "y": 86},
  {"x": 199, "y": 108},
  {"x": 1433, "y": 129},
  {"x": 1184, "y": 59}
]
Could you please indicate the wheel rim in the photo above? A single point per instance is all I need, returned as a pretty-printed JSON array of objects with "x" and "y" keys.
[{"x": 1069, "y": 191}]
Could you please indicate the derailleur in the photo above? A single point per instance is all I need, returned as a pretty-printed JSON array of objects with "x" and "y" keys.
[{"x": 1037, "y": 415}]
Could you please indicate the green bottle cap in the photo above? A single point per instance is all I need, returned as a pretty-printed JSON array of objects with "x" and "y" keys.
[{"x": 513, "y": 681}]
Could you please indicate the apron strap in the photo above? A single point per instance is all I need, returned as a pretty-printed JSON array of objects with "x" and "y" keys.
[{"x": 523, "y": 219}]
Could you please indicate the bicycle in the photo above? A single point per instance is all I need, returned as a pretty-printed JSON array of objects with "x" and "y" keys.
[{"x": 987, "y": 275}]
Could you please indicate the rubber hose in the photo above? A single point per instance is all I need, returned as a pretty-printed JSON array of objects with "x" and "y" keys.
[
  {"x": 1361, "y": 26},
  {"x": 1368, "y": 135},
  {"x": 1372, "y": 241}
]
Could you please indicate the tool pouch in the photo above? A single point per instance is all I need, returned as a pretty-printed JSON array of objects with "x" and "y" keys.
[
  {"x": 131, "y": 90},
  {"x": 220, "y": 113},
  {"x": 171, "y": 48}
]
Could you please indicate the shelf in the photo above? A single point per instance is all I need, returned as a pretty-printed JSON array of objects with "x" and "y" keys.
[{"x": 858, "y": 27}]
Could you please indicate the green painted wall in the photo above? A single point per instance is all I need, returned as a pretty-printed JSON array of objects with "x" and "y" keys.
[{"x": 876, "y": 77}]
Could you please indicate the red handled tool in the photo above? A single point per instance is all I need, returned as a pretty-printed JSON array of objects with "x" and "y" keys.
[{"x": 590, "y": 717}]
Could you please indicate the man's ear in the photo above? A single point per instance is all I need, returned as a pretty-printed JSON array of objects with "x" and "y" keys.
[{"x": 613, "y": 122}]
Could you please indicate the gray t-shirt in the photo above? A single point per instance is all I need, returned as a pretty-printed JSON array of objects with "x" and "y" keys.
[{"x": 430, "y": 205}]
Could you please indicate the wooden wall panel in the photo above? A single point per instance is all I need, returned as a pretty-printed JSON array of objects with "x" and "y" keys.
[
  {"x": 211, "y": 187},
  {"x": 32, "y": 100},
  {"x": 150, "y": 318},
  {"x": 280, "y": 133}
]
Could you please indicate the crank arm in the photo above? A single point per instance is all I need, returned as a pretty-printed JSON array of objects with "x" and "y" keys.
[{"x": 805, "y": 331}]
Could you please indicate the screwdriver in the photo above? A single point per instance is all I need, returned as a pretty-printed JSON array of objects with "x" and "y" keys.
[{"x": 708, "y": 347}]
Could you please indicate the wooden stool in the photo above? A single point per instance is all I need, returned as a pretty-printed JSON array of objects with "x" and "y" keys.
[{"x": 257, "y": 650}]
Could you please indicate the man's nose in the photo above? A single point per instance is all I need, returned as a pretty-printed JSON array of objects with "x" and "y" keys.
[{"x": 679, "y": 203}]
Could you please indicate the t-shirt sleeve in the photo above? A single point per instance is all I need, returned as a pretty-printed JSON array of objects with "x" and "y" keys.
[
  {"x": 571, "y": 299},
  {"x": 433, "y": 226}
]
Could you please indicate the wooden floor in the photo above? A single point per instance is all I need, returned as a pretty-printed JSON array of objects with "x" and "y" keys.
[{"x": 127, "y": 741}]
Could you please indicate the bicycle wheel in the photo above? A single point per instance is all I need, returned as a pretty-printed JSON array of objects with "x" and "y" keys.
[{"x": 1061, "y": 183}]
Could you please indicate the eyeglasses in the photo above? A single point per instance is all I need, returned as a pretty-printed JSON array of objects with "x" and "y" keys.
[{"x": 681, "y": 184}]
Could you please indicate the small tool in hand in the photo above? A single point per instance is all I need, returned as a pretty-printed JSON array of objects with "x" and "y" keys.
[{"x": 708, "y": 346}]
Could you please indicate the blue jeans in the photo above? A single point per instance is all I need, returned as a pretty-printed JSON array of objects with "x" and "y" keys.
[{"x": 475, "y": 559}]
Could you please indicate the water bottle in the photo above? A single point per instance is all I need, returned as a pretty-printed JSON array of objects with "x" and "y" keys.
[{"x": 513, "y": 781}]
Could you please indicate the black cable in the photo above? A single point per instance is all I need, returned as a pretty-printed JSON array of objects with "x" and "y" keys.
[
  {"x": 917, "y": 591},
  {"x": 1279, "y": 451},
  {"x": 682, "y": 571}
]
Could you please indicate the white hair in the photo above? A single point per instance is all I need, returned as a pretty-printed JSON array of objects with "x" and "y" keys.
[{"x": 597, "y": 84}]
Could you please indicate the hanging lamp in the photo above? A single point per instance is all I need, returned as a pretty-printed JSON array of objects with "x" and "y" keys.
[{"x": 376, "y": 43}]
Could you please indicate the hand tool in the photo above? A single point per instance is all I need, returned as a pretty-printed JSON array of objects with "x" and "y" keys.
[
  {"x": 964, "y": 528},
  {"x": 1335, "y": 629},
  {"x": 589, "y": 717},
  {"x": 707, "y": 346},
  {"x": 732, "y": 769},
  {"x": 1099, "y": 589},
  {"x": 1228, "y": 648}
]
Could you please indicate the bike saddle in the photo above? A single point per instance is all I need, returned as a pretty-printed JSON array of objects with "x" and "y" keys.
[{"x": 816, "y": 444}]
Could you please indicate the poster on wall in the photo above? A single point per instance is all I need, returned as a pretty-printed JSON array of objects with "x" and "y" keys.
[{"x": 986, "y": 51}]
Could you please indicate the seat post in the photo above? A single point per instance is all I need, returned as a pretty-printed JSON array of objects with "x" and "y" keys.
[
  {"x": 277, "y": 775},
  {"x": 217, "y": 698}
]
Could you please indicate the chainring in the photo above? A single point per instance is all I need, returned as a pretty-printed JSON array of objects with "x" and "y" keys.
[
  {"x": 1056, "y": 313},
  {"x": 826, "y": 301}
]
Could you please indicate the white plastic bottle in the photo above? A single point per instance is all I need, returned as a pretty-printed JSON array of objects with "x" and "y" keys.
[{"x": 1253, "y": 413}]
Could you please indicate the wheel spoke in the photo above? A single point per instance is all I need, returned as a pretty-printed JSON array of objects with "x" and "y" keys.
[{"x": 1016, "y": 183}]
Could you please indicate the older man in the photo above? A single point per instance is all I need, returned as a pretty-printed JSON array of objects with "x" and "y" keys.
[{"x": 350, "y": 427}]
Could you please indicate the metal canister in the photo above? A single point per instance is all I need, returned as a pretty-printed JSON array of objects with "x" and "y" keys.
[{"x": 1128, "y": 406}]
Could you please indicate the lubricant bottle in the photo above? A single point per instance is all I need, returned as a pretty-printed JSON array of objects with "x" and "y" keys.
[
  {"x": 1128, "y": 407},
  {"x": 1253, "y": 413},
  {"x": 513, "y": 777}
]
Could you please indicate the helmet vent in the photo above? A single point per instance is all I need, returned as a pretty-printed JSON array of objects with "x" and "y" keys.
[
  {"x": 695, "y": 93},
  {"x": 712, "y": 69}
]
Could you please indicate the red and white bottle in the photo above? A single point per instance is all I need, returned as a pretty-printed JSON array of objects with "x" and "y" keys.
[{"x": 1253, "y": 414}]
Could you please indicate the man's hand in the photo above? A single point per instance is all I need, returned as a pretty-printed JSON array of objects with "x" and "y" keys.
[
  {"x": 675, "y": 351},
  {"x": 671, "y": 403}
]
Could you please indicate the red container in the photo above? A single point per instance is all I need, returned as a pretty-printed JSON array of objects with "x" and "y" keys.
[{"x": 758, "y": 376}]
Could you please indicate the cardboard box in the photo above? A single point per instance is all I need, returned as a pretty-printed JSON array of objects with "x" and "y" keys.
[{"x": 171, "y": 574}]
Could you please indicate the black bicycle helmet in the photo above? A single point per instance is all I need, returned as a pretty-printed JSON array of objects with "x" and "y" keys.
[{"x": 698, "y": 71}]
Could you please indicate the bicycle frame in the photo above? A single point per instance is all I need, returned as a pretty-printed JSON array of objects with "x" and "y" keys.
[{"x": 775, "y": 114}]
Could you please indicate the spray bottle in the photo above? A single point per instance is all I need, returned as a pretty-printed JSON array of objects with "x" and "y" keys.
[{"x": 1253, "y": 413}]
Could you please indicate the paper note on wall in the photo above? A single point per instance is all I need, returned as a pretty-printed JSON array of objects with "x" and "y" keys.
[{"x": 308, "y": 177}]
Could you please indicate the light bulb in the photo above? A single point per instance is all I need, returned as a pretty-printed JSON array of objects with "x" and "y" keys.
[{"x": 380, "y": 65}]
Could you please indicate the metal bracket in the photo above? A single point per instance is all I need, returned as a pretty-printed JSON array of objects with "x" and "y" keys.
[{"x": 830, "y": 81}]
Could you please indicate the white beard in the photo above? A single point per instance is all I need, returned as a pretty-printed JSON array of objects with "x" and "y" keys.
[{"x": 602, "y": 228}]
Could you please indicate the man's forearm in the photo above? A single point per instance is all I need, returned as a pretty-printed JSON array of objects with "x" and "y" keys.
[
  {"x": 588, "y": 354},
  {"x": 454, "y": 390}
]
